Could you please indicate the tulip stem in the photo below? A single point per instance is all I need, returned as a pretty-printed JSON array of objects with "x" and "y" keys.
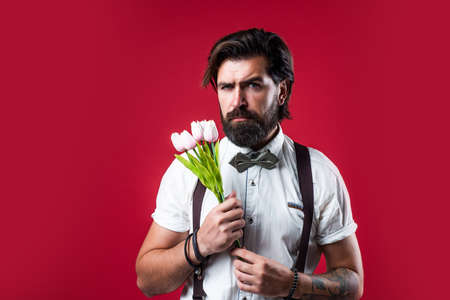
[
  {"x": 196, "y": 153},
  {"x": 214, "y": 153}
]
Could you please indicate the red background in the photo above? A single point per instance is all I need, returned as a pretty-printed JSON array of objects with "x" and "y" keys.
[{"x": 91, "y": 91}]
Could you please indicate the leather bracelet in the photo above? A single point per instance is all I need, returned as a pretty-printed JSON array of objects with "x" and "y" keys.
[
  {"x": 294, "y": 285},
  {"x": 186, "y": 254},
  {"x": 197, "y": 253}
]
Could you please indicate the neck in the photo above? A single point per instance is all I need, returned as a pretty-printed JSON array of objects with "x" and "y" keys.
[{"x": 267, "y": 140}]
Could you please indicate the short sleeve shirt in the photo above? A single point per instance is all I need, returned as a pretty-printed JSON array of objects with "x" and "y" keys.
[{"x": 273, "y": 209}]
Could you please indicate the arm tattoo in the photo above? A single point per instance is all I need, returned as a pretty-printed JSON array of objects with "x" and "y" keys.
[
  {"x": 340, "y": 284},
  {"x": 318, "y": 284}
]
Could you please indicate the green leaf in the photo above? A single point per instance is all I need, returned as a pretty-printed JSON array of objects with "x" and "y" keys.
[
  {"x": 208, "y": 149},
  {"x": 206, "y": 167},
  {"x": 196, "y": 153},
  {"x": 188, "y": 164},
  {"x": 206, "y": 158},
  {"x": 200, "y": 153},
  {"x": 217, "y": 152},
  {"x": 192, "y": 159}
]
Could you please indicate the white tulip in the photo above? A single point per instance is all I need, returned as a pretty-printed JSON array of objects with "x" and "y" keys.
[
  {"x": 204, "y": 124},
  {"x": 177, "y": 142},
  {"x": 210, "y": 131},
  {"x": 188, "y": 141},
  {"x": 214, "y": 130},
  {"x": 197, "y": 131}
]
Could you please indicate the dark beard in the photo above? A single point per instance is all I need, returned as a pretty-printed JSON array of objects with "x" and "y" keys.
[{"x": 252, "y": 131}]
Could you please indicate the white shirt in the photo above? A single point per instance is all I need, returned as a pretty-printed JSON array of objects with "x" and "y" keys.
[{"x": 273, "y": 228}]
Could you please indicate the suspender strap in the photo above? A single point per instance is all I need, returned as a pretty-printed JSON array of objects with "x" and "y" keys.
[
  {"x": 306, "y": 189},
  {"x": 199, "y": 193}
]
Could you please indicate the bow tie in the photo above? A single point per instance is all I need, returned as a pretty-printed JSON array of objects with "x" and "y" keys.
[{"x": 265, "y": 159}]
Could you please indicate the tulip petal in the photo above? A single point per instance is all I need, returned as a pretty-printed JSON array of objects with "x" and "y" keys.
[
  {"x": 188, "y": 141},
  {"x": 197, "y": 131},
  {"x": 177, "y": 142}
]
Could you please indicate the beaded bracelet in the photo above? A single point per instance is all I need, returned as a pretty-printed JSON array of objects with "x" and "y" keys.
[{"x": 294, "y": 285}]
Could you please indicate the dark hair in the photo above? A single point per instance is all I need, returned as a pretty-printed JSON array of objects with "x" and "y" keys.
[{"x": 250, "y": 43}]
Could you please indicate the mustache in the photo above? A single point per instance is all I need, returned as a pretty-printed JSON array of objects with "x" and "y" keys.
[{"x": 241, "y": 113}]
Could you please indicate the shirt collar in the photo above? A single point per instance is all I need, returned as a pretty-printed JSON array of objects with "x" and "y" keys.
[{"x": 274, "y": 145}]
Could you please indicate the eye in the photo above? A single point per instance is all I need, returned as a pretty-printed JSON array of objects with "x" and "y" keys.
[
  {"x": 254, "y": 85},
  {"x": 225, "y": 87}
]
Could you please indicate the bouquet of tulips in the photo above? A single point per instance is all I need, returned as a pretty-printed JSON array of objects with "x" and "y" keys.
[{"x": 204, "y": 160}]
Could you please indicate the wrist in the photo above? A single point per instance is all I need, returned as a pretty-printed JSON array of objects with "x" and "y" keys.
[
  {"x": 197, "y": 252},
  {"x": 188, "y": 252},
  {"x": 191, "y": 253},
  {"x": 204, "y": 251},
  {"x": 292, "y": 285},
  {"x": 303, "y": 280}
]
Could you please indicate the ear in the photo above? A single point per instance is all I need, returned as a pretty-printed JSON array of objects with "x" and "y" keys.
[{"x": 282, "y": 92}]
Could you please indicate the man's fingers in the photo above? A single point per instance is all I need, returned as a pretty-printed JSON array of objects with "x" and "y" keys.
[
  {"x": 243, "y": 266},
  {"x": 232, "y": 194},
  {"x": 230, "y": 202},
  {"x": 245, "y": 254},
  {"x": 238, "y": 224},
  {"x": 236, "y": 235},
  {"x": 233, "y": 214},
  {"x": 244, "y": 286},
  {"x": 243, "y": 277}
]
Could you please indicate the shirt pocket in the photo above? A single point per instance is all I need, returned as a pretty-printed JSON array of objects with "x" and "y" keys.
[
  {"x": 295, "y": 206},
  {"x": 294, "y": 209}
]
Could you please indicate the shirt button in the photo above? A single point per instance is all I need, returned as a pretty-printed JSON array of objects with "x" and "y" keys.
[
  {"x": 245, "y": 298},
  {"x": 250, "y": 220},
  {"x": 252, "y": 183}
]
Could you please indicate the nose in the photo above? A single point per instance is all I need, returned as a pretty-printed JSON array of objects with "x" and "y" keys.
[{"x": 238, "y": 98}]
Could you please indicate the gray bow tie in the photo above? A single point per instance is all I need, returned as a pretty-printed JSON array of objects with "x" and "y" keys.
[{"x": 265, "y": 159}]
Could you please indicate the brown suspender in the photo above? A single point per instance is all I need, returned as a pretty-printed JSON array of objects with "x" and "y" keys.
[
  {"x": 306, "y": 190},
  {"x": 199, "y": 193}
]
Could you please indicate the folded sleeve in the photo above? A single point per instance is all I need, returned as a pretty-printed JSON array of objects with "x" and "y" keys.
[
  {"x": 174, "y": 198},
  {"x": 333, "y": 213}
]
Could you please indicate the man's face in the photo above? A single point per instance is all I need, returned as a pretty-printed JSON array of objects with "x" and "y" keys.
[{"x": 248, "y": 99}]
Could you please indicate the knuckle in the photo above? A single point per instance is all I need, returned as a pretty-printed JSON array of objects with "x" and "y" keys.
[
  {"x": 219, "y": 220},
  {"x": 241, "y": 287},
  {"x": 236, "y": 264},
  {"x": 256, "y": 284},
  {"x": 215, "y": 218},
  {"x": 264, "y": 265},
  {"x": 236, "y": 274},
  {"x": 215, "y": 210},
  {"x": 260, "y": 272},
  {"x": 222, "y": 241},
  {"x": 260, "y": 283}
]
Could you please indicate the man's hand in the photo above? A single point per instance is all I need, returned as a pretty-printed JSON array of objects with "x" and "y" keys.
[
  {"x": 260, "y": 275},
  {"x": 222, "y": 226}
]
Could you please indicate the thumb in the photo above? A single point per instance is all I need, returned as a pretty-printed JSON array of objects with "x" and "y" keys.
[{"x": 232, "y": 194}]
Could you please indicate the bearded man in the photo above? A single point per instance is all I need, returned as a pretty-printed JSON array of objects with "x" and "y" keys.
[{"x": 265, "y": 209}]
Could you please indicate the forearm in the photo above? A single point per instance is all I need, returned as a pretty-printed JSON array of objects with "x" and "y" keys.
[
  {"x": 338, "y": 284},
  {"x": 162, "y": 271}
]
